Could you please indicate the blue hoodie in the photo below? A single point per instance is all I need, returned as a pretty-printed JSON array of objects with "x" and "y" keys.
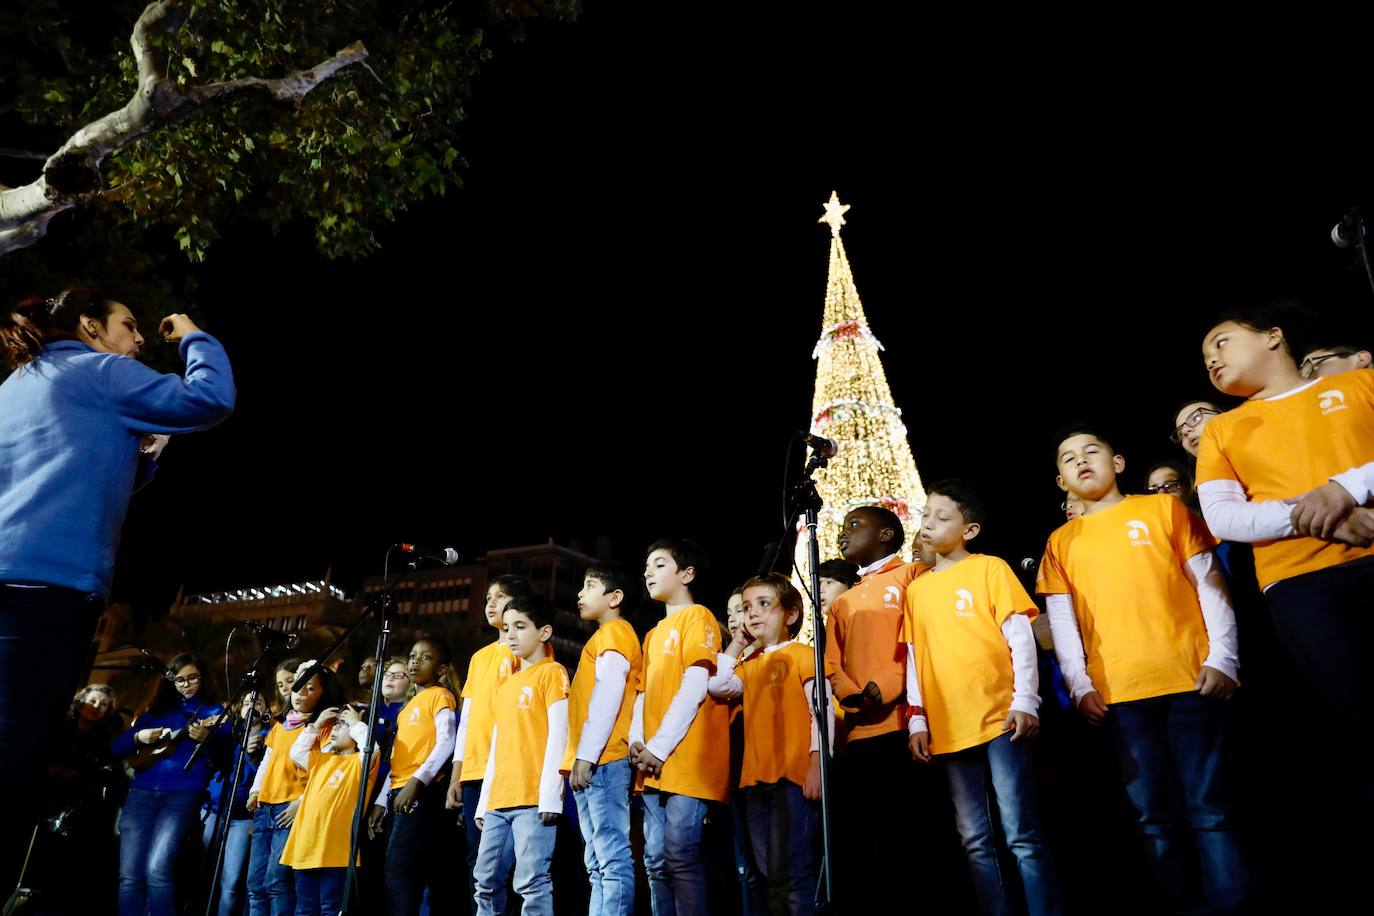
[
  {"x": 70, "y": 425},
  {"x": 167, "y": 775}
]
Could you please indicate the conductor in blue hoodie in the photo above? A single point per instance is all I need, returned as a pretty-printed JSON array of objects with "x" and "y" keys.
[{"x": 80, "y": 421}]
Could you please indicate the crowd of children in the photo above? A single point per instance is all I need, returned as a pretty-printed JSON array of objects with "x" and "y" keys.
[{"x": 934, "y": 661}]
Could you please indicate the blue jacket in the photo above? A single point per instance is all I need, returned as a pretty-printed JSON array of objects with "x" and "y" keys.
[
  {"x": 70, "y": 425},
  {"x": 167, "y": 774},
  {"x": 250, "y": 770}
]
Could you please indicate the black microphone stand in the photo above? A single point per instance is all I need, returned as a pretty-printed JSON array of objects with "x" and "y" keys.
[
  {"x": 1360, "y": 242},
  {"x": 803, "y": 500},
  {"x": 242, "y": 732}
]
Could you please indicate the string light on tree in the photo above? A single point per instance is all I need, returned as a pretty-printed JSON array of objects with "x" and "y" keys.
[{"x": 853, "y": 405}]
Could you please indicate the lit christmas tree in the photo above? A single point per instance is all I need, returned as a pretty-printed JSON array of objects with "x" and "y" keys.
[{"x": 853, "y": 405}]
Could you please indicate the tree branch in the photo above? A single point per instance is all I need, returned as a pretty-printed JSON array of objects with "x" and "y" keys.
[{"x": 72, "y": 174}]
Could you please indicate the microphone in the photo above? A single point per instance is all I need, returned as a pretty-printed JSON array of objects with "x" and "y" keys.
[
  {"x": 1028, "y": 564},
  {"x": 445, "y": 555},
  {"x": 820, "y": 445},
  {"x": 268, "y": 635},
  {"x": 1349, "y": 231}
]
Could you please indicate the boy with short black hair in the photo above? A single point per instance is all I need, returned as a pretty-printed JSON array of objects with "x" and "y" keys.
[
  {"x": 973, "y": 686},
  {"x": 597, "y": 762},
  {"x": 522, "y": 789},
  {"x": 1146, "y": 638},
  {"x": 678, "y": 735}
]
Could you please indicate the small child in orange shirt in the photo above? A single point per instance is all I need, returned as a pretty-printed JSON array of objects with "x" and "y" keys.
[
  {"x": 317, "y": 847},
  {"x": 781, "y": 776}
]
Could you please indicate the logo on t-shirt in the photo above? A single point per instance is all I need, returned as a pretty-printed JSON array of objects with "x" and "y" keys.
[
  {"x": 775, "y": 672},
  {"x": 670, "y": 644},
  {"x": 334, "y": 779},
  {"x": 891, "y": 595},
  {"x": 1138, "y": 532},
  {"x": 1331, "y": 401},
  {"x": 526, "y": 698},
  {"x": 414, "y": 716},
  {"x": 963, "y": 606},
  {"x": 709, "y": 643},
  {"x": 503, "y": 669}
]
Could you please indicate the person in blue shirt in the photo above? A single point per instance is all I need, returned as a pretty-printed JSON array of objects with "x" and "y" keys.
[
  {"x": 165, "y": 797},
  {"x": 81, "y": 420}
]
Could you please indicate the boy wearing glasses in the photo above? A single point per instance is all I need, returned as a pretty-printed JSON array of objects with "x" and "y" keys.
[{"x": 1320, "y": 362}]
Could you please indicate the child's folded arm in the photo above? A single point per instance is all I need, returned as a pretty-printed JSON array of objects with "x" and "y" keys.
[
  {"x": 844, "y": 685},
  {"x": 1358, "y": 482},
  {"x": 1068, "y": 645},
  {"x": 725, "y": 684},
  {"x": 612, "y": 672},
  {"x": 1025, "y": 684},
  {"x": 1233, "y": 517},
  {"x": 1219, "y": 618},
  {"x": 682, "y": 711},
  {"x": 300, "y": 748}
]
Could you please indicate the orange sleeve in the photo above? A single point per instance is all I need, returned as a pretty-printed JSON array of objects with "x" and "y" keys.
[
  {"x": 1212, "y": 463},
  {"x": 1050, "y": 579},
  {"x": 701, "y": 641},
  {"x": 1192, "y": 534},
  {"x": 556, "y": 686},
  {"x": 642, "y": 681},
  {"x": 1006, "y": 596},
  {"x": 840, "y": 681}
]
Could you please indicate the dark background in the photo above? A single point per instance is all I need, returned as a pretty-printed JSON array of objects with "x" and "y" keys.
[{"x": 608, "y": 330}]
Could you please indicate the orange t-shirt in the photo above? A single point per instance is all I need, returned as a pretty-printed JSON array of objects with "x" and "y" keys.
[
  {"x": 954, "y": 621},
  {"x": 323, "y": 826},
  {"x": 1139, "y": 616},
  {"x": 616, "y": 636},
  {"x": 283, "y": 781},
  {"x": 488, "y": 670},
  {"x": 700, "y": 765},
  {"x": 777, "y": 715},
  {"x": 1283, "y": 447},
  {"x": 863, "y": 642},
  {"x": 415, "y": 736},
  {"x": 521, "y": 709}
]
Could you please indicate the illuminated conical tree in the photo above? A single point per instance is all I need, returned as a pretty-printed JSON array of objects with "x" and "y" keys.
[{"x": 853, "y": 405}]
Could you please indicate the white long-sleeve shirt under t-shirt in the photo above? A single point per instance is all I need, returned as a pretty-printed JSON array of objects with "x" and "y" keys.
[
  {"x": 1218, "y": 619},
  {"x": 682, "y": 711},
  {"x": 461, "y": 740},
  {"x": 612, "y": 675},
  {"x": 550, "y": 774},
  {"x": 300, "y": 749},
  {"x": 444, "y": 732},
  {"x": 1025, "y": 674}
]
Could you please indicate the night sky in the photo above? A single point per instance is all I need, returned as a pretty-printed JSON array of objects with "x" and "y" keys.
[{"x": 608, "y": 329}]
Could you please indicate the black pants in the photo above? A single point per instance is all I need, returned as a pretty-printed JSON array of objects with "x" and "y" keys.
[
  {"x": 45, "y": 643},
  {"x": 423, "y": 851},
  {"x": 1323, "y": 619}
]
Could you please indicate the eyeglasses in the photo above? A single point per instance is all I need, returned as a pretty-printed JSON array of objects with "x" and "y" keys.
[
  {"x": 1168, "y": 486},
  {"x": 1191, "y": 421},
  {"x": 188, "y": 679},
  {"x": 1308, "y": 368},
  {"x": 395, "y": 676}
]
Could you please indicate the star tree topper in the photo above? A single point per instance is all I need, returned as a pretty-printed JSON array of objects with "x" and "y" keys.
[{"x": 834, "y": 214}]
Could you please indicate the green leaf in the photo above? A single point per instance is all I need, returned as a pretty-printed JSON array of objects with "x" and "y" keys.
[
  {"x": 220, "y": 47},
  {"x": 190, "y": 65}
]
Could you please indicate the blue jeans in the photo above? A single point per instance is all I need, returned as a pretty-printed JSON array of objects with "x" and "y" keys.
[
  {"x": 45, "y": 638},
  {"x": 603, "y": 813},
  {"x": 672, "y": 853},
  {"x": 151, "y": 831},
  {"x": 319, "y": 891},
  {"x": 516, "y": 833},
  {"x": 782, "y": 830},
  {"x": 753, "y": 900},
  {"x": 1175, "y": 760},
  {"x": 271, "y": 887},
  {"x": 235, "y": 870},
  {"x": 1001, "y": 770}
]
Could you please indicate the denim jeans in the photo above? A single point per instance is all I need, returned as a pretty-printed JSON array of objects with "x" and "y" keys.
[
  {"x": 672, "y": 853},
  {"x": 516, "y": 833},
  {"x": 753, "y": 899},
  {"x": 151, "y": 831},
  {"x": 1175, "y": 760},
  {"x": 233, "y": 874},
  {"x": 782, "y": 831},
  {"x": 419, "y": 855},
  {"x": 603, "y": 813},
  {"x": 319, "y": 891},
  {"x": 1001, "y": 771},
  {"x": 45, "y": 639},
  {"x": 271, "y": 887}
]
